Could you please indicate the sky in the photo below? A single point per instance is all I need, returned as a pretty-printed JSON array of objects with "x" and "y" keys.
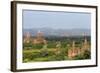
[{"x": 56, "y": 20}]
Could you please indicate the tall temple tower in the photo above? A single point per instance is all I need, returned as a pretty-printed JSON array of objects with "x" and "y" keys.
[
  {"x": 39, "y": 39},
  {"x": 73, "y": 45},
  {"x": 39, "y": 35},
  {"x": 27, "y": 37},
  {"x": 85, "y": 45},
  {"x": 71, "y": 51}
]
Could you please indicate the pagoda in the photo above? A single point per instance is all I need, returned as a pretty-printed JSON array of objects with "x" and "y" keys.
[
  {"x": 39, "y": 38},
  {"x": 27, "y": 37}
]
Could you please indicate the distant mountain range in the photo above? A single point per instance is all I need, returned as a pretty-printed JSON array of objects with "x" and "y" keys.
[{"x": 58, "y": 32}]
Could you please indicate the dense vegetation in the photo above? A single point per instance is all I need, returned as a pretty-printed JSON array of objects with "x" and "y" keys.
[{"x": 37, "y": 52}]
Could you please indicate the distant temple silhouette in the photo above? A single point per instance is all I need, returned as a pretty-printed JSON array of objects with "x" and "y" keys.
[
  {"x": 39, "y": 38},
  {"x": 27, "y": 37}
]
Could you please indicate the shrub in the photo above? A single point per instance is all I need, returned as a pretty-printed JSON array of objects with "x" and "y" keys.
[{"x": 30, "y": 55}]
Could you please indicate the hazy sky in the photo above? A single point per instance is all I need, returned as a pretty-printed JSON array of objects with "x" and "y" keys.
[{"x": 57, "y": 20}]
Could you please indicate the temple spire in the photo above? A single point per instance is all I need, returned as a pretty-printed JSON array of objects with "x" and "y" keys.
[{"x": 73, "y": 45}]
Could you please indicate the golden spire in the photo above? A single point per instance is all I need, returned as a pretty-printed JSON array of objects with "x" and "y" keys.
[{"x": 73, "y": 45}]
